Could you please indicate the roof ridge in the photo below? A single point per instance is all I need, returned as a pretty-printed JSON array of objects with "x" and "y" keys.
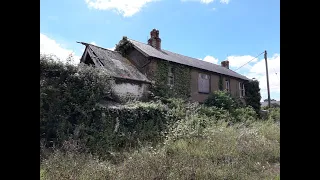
[
  {"x": 170, "y": 51},
  {"x": 187, "y": 56},
  {"x": 193, "y": 58},
  {"x": 84, "y": 43}
]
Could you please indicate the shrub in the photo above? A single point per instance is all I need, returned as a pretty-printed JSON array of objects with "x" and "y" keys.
[
  {"x": 246, "y": 114},
  {"x": 220, "y": 99},
  {"x": 215, "y": 113},
  {"x": 127, "y": 126},
  {"x": 253, "y": 95},
  {"x": 68, "y": 97},
  {"x": 274, "y": 114}
]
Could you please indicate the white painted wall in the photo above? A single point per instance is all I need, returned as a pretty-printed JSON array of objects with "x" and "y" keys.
[{"x": 128, "y": 90}]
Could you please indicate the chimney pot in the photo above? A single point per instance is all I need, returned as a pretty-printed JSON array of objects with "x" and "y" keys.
[
  {"x": 154, "y": 40},
  {"x": 225, "y": 64}
]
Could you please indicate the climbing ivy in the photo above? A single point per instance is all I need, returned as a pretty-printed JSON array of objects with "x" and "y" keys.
[
  {"x": 220, "y": 83},
  {"x": 182, "y": 76},
  {"x": 182, "y": 80},
  {"x": 123, "y": 46}
]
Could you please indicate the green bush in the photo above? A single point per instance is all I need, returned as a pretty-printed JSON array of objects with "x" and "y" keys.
[
  {"x": 221, "y": 99},
  {"x": 253, "y": 95},
  {"x": 123, "y": 127},
  {"x": 68, "y": 97},
  {"x": 246, "y": 114},
  {"x": 274, "y": 114}
]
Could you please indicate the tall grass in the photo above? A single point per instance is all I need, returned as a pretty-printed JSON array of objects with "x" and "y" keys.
[{"x": 211, "y": 151}]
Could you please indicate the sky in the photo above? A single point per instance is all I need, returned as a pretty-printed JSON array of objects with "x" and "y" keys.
[{"x": 210, "y": 30}]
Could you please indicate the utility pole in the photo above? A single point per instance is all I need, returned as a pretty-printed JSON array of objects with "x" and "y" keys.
[{"x": 265, "y": 58}]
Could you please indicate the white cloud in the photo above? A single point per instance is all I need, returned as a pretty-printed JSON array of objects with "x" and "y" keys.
[
  {"x": 94, "y": 43},
  {"x": 51, "y": 47},
  {"x": 273, "y": 65},
  {"x": 210, "y": 59},
  {"x": 125, "y": 7},
  {"x": 238, "y": 61},
  {"x": 258, "y": 71},
  {"x": 224, "y": 1},
  {"x": 201, "y": 1},
  {"x": 206, "y": 1},
  {"x": 112, "y": 49}
]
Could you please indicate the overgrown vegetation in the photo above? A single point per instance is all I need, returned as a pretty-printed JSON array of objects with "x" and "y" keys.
[
  {"x": 253, "y": 95},
  {"x": 222, "y": 99},
  {"x": 68, "y": 97},
  {"x": 163, "y": 139},
  {"x": 123, "y": 46},
  {"x": 182, "y": 78},
  {"x": 220, "y": 83}
]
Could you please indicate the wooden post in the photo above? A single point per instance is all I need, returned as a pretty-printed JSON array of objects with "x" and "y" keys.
[{"x": 265, "y": 58}]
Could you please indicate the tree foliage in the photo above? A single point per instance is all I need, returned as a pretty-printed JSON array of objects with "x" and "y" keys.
[{"x": 253, "y": 95}]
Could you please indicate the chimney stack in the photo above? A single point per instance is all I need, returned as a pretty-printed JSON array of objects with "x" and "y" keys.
[
  {"x": 225, "y": 64},
  {"x": 154, "y": 40}
]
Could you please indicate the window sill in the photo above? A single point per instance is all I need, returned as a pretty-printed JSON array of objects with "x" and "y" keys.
[{"x": 204, "y": 92}]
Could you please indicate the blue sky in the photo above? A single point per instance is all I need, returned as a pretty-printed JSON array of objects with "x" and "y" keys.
[{"x": 210, "y": 30}]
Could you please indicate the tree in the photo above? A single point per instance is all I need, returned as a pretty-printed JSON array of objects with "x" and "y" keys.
[{"x": 253, "y": 95}]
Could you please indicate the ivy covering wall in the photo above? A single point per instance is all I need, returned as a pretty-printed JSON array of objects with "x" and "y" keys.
[
  {"x": 220, "y": 83},
  {"x": 182, "y": 80},
  {"x": 182, "y": 75}
]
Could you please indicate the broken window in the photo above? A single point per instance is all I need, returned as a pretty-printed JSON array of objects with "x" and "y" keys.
[
  {"x": 241, "y": 89},
  {"x": 203, "y": 83},
  {"x": 170, "y": 76}
]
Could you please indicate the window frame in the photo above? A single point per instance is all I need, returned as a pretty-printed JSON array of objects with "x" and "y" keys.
[
  {"x": 205, "y": 77},
  {"x": 241, "y": 90},
  {"x": 170, "y": 76},
  {"x": 227, "y": 87}
]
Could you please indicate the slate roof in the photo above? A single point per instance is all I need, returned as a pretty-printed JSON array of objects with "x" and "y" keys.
[
  {"x": 116, "y": 65},
  {"x": 181, "y": 59}
]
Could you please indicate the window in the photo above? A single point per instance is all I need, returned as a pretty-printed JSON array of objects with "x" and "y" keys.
[
  {"x": 203, "y": 83},
  {"x": 241, "y": 89},
  {"x": 227, "y": 85},
  {"x": 170, "y": 76}
]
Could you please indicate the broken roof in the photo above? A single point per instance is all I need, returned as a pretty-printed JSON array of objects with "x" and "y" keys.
[
  {"x": 181, "y": 59},
  {"x": 116, "y": 65}
]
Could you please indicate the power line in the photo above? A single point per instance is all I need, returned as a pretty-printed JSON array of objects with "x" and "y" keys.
[{"x": 249, "y": 61}]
